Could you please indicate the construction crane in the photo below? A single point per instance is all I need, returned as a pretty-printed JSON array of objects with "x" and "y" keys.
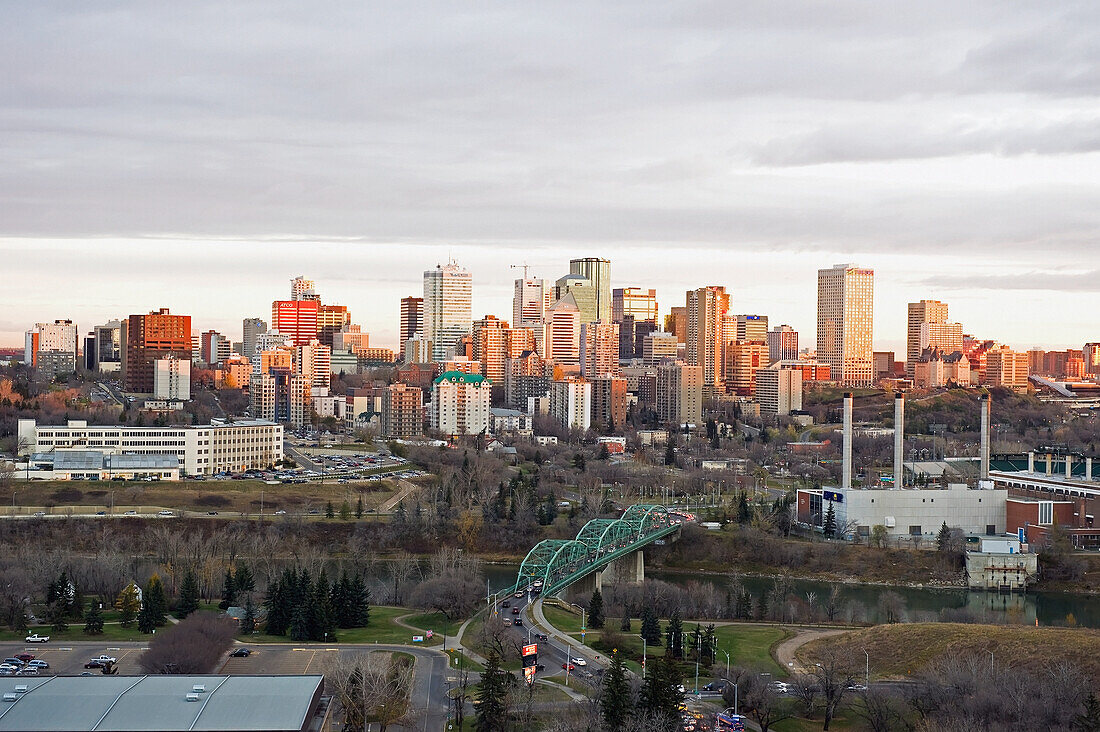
[{"x": 523, "y": 266}]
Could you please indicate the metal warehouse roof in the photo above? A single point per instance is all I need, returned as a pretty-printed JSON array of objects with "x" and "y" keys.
[
  {"x": 96, "y": 460},
  {"x": 138, "y": 703}
]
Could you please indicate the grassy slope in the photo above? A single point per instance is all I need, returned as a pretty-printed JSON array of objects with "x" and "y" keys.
[
  {"x": 903, "y": 649},
  {"x": 382, "y": 629}
]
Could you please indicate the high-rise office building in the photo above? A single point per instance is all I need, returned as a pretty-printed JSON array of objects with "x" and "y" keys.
[
  {"x": 331, "y": 319},
  {"x": 296, "y": 319},
  {"x": 108, "y": 346},
  {"x": 571, "y": 402},
  {"x": 1090, "y": 354},
  {"x": 303, "y": 289},
  {"x": 1006, "y": 368},
  {"x": 676, "y": 323},
  {"x": 584, "y": 294},
  {"x": 412, "y": 320},
  {"x": 61, "y": 336},
  {"x": 172, "y": 379},
  {"x": 750, "y": 328},
  {"x": 642, "y": 304},
  {"x": 658, "y": 346},
  {"x": 782, "y": 343},
  {"x": 707, "y": 308},
  {"x": 679, "y": 393},
  {"x": 609, "y": 401},
  {"x": 779, "y": 390},
  {"x": 150, "y": 337},
  {"x": 530, "y": 305},
  {"x": 598, "y": 272},
  {"x": 599, "y": 354},
  {"x": 845, "y": 317},
  {"x": 743, "y": 360},
  {"x": 563, "y": 331},
  {"x": 214, "y": 348},
  {"x": 251, "y": 328},
  {"x": 448, "y": 315},
  {"x": 928, "y": 328}
]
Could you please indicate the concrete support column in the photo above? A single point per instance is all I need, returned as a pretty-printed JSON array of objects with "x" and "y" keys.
[
  {"x": 899, "y": 440},
  {"x": 1069, "y": 467},
  {"x": 1088, "y": 468},
  {"x": 846, "y": 467},
  {"x": 1050, "y": 464},
  {"x": 1031, "y": 461},
  {"x": 639, "y": 567}
]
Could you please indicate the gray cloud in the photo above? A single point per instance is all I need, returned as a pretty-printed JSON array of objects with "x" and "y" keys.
[{"x": 1081, "y": 282}]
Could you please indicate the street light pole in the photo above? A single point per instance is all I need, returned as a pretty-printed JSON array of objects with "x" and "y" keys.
[{"x": 867, "y": 669}]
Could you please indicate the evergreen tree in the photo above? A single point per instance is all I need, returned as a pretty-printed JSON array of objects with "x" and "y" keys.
[
  {"x": 400, "y": 515},
  {"x": 595, "y": 610},
  {"x": 1089, "y": 719},
  {"x": 670, "y": 453},
  {"x": 154, "y": 607},
  {"x": 762, "y": 606},
  {"x": 830, "y": 522},
  {"x": 339, "y": 597},
  {"x": 743, "y": 514},
  {"x": 277, "y": 604},
  {"x": 706, "y": 648},
  {"x": 943, "y": 538},
  {"x": 651, "y": 627},
  {"x": 359, "y": 599},
  {"x": 229, "y": 591},
  {"x": 328, "y": 510},
  {"x": 248, "y": 621},
  {"x": 674, "y": 636},
  {"x": 624, "y": 626},
  {"x": 492, "y": 697},
  {"x": 128, "y": 605},
  {"x": 359, "y": 508},
  {"x": 661, "y": 696},
  {"x": 345, "y": 511},
  {"x": 325, "y": 626},
  {"x": 56, "y": 614},
  {"x": 243, "y": 581},
  {"x": 615, "y": 704},
  {"x": 93, "y": 620},
  {"x": 189, "y": 596}
]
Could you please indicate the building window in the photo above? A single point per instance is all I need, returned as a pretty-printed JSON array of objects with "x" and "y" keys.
[
  {"x": 990, "y": 530},
  {"x": 915, "y": 530}
]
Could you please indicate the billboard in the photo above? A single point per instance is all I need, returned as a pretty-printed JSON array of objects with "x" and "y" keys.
[
  {"x": 834, "y": 496},
  {"x": 529, "y": 674},
  {"x": 530, "y": 650}
]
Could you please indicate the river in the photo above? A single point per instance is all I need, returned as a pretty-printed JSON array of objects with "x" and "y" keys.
[{"x": 921, "y": 603}]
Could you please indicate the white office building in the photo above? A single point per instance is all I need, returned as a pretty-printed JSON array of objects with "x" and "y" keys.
[
  {"x": 172, "y": 379},
  {"x": 448, "y": 314}
]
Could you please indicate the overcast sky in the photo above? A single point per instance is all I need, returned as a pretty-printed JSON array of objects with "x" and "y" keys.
[{"x": 198, "y": 155}]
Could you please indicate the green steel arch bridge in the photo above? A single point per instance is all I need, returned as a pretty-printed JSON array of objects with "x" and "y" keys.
[{"x": 559, "y": 563}]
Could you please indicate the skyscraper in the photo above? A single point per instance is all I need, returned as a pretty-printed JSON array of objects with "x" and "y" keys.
[
  {"x": 448, "y": 314},
  {"x": 707, "y": 308},
  {"x": 303, "y": 289},
  {"x": 928, "y": 328},
  {"x": 750, "y": 328},
  {"x": 599, "y": 354},
  {"x": 845, "y": 316},
  {"x": 584, "y": 295},
  {"x": 563, "y": 331},
  {"x": 598, "y": 272},
  {"x": 60, "y": 336},
  {"x": 530, "y": 304},
  {"x": 412, "y": 320},
  {"x": 250, "y": 331},
  {"x": 296, "y": 319},
  {"x": 158, "y": 335},
  {"x": 642, "y": 304},
  {"x": 782, "y": 343}
]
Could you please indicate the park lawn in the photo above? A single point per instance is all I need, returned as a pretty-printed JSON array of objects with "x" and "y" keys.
[
  {"x": 461, "y": 661},
  {"x": 750, "y": 646},
  {"x": 111, "y": 631},
  {"x": 382, "y": 628},
  {"x": 567, "y": 621},
  {"x": 436, "y": 622},
  {"x": 798, "y": 724}
]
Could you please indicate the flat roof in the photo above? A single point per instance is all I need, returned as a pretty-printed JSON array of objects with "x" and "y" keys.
[{"x": 138, "y": 703}]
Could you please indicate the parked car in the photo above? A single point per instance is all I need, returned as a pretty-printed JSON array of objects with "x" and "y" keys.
[
  {"x": 39, "y": 663},
  {"x": 36, "y": 638},
  {"x": 104, "y": 658},
  {"x": 165, "y": 512},
  {"x": 25, "y": 657},
  {"x": 13, "y": 662},
  {"x": 27, "y": 671},
  {"x": 241, "y": 653},
  {"x": 94, "y": 663}
]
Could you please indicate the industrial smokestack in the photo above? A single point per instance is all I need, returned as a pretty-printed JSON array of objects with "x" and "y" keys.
[
  {"x": 846, "y": 469},
  {"x": 899, "y": 440},
  {"x": 985, "y": 407}
]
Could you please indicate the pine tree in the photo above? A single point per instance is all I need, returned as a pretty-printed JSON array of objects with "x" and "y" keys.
[
  {"x": 615, "y": 704},
  {"x": 93, "y": 620},
  {"x": 248, "y": 621},
  {"x": 743, "y": 514},
  {"x": 229, "y": 591},
  {"x": 706, "y": 649},
  {"x": 595, "y": 610},
  {"x": 943, "y": 538},
  {"x": 345, "y": 511},
  {"x": 325, "y": 626},
  {"x": 189, "y": 596},
  {"x": 651, "y": 627},
  {"x": 670, "y": 453},
  {"x": 830, "y": 522},
  {"x": 328, "y": 510},
  {"x": 359, "y": 508},
  {"x": 624, "y": 626},
  {"x": 154, "y": 608},
  {"x": 243, "y": 581},
  {"x": 1089, "y": 719},
  {"x": 674, "y": 636},
  {"x": 492, "y": 694},
  {"x": 661, "y": 696},
  {"x": 128, "y": 605},
  {"x": 359, "y": 599},
  {"x": 56, "y": 613}
]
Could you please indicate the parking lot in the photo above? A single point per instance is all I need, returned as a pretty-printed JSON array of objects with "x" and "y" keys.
[{"x": 68, "y": 658}]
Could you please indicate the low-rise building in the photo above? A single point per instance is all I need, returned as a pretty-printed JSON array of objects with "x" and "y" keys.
[{"x": 511, "y": 420}]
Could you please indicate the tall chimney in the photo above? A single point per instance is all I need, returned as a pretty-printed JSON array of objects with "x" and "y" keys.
[
  {"x": 985, "y": 407},
  {"x": 899, "y": 440},
  {"x": 846, "y": 469}
]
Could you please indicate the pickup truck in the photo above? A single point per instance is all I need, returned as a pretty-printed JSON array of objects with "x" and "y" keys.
[{"x": 36, "y": 638}]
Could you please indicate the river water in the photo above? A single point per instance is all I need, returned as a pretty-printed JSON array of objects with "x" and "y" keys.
[{"x": 1050, "y": 608}]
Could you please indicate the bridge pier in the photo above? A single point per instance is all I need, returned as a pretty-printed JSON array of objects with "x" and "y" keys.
[{"x": 629, "y": 569}]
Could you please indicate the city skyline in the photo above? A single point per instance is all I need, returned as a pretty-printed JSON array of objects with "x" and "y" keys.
[{"x": 156, "y": 160}]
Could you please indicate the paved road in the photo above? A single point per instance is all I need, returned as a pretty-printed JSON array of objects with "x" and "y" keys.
[{"x": 786, "y": 652}]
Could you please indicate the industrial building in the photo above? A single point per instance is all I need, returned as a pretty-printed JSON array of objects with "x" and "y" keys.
[
  {"x": 98, "y": 465},
  {"x": 163, "y": 702}
]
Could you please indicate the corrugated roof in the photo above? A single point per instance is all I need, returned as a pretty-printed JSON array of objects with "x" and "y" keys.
[{"x": 138, "y": 703}]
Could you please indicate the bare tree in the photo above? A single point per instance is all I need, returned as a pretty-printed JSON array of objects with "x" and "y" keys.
[
  {"x": 881, "y": 710},
  {"x": 804, "y": 688},
  {"x": 195, "y": 645},
  {"x": 372, "y": 687},
  {"x": 833, "y": 672},
  {"x": 762, "y": 701}
]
